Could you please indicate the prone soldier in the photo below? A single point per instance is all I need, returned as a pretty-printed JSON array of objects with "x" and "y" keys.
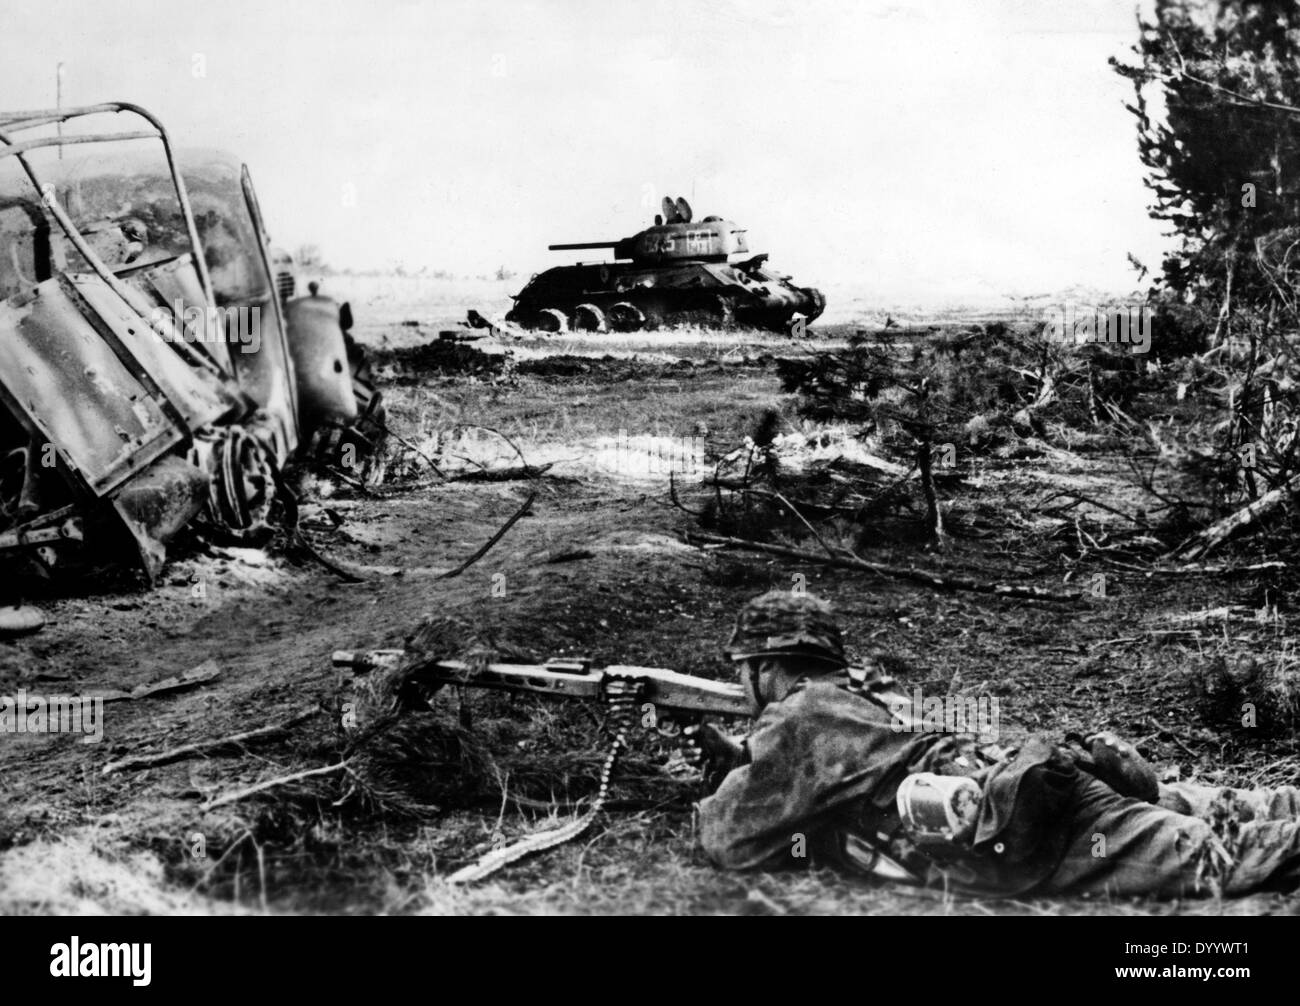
[{"x": 826, "y": 773}]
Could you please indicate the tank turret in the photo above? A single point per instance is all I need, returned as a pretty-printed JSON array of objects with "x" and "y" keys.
[
  {"x": 679, "y": 240},
  {"x": 678, "y": 271}
]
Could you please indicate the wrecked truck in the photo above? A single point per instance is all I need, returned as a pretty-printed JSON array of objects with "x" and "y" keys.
[{"x": 151, "y": 374}]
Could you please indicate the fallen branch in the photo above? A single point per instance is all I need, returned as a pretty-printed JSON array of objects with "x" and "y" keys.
[
  {"x": 1081, "y": 498},
  {"x": 1150, "y": 571},
  {"x": 672, "y": 496},
  {"x": 262, "y": 787},
  {"x": 510, "y": 474},
  {"x": 491, "y": 541},
  {"x": 569, "y": 555},
  {"x": 1217, "y": 533},
  {"x": 807, "y": 509},
  {"x": 409, "y": 446},
  {"x": 299, "y": 541},
  {"x": 207, "y": 874},
  {"x": 496, "y": 433},
  {"x": 205, "y": 747},
  {"x": 195, "y": 676},
  {"x": 848, "y": 561},
  {"x": 803, "y": 520},
  {"x": 1224, "y": 613},
  {"x": 1257, "y": 567},
  {"x": 355, "y": 483}
]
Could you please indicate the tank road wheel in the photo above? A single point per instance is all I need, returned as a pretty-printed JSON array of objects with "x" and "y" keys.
[
  {"x": 552, "y": 319},
  {"x": 588, "y": 318},
  {"x": 625, "y": 317},
  {"x": 724, "y": 312}
]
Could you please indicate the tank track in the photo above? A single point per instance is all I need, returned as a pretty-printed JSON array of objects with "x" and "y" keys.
[{"x": 636, "y": 311}]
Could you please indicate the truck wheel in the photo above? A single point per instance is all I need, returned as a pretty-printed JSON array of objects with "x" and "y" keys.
[
  {"x": 588, "y": 318},
  {"x": 625, "y": 317},
  {"x": 552, "y": 319}
]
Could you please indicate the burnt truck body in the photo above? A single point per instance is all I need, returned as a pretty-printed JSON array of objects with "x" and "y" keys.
[
  {"x": 150, "y": 373},
  {"x": 677, "y": 272}
]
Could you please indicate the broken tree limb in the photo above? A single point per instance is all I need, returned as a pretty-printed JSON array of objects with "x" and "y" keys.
[
  {"x": 1224, "y": 613},
  {"x": 1202, "y": 570},
  {"x": 1079, "y": 498},
  {"x": 1255, "y": 567},
  {"x": 511, "y": 474},
  {"x": 944, "y": 583},
  {"x": 569, "y": 555},
  {"x": 491, "y": 541},
  {"x": 284, "y": 780},
  {"x": 185, "y": 751},
  {"x": 195, "y": 676},
  {"x": 804, "y": 520},
  {"x": 299, "y": 541},
  {"x": 409, "y": 446},
  {"x": 1203, "y": 542},
  {"x": 496, "y": 433},
  {"x": 817, "y": 511}
]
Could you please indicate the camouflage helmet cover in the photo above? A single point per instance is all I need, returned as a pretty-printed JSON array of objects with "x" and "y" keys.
[{"x": 781, "y": 623}]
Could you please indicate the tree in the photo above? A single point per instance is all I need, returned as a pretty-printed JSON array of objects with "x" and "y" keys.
[{"x": 1223, "y": 153}]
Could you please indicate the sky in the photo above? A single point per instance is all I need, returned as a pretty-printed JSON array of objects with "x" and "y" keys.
[{"x": 927, "y": 150}]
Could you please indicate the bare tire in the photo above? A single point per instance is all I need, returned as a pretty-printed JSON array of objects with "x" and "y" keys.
[
  {"x": 625, "y": 317},
  {"x": 552, "y": 319},
  {"x": 588, "y": 318}
]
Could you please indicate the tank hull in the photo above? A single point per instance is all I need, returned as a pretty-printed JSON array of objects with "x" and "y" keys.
[{"x": 630, "y": 295}]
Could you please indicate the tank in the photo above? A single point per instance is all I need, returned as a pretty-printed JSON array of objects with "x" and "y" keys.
[{"x": 678, "y": 272}]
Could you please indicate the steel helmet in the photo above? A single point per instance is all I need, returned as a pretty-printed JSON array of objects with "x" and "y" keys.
[{"x": 784, "y": 623}]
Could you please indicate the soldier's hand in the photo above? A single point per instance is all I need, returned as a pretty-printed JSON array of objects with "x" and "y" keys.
[
  {"x": 1121, "y": 767},
  {"x": 710, "y": 750},
  {"x": 1116, "y": 744}
]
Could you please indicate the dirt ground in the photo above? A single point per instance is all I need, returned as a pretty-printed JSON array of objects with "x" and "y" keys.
[{"x": 598, "y": 568}]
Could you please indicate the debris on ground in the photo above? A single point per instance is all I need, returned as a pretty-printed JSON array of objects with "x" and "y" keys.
[
  {"x": 20, "y": 620},
  {"x": 443, "y": 358}
]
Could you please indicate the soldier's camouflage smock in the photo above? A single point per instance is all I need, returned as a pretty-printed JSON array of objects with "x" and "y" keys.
[{"x": 826, "y": 763}]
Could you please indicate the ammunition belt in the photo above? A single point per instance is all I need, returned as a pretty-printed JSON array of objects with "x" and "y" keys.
[{"x": 622, "y": 700}]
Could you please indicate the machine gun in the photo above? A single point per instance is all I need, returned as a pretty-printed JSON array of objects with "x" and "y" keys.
[
  {"x": 629, "y": 693},
  {"x": 667, "y": 691},
  {"x": 673, "y": 696}
]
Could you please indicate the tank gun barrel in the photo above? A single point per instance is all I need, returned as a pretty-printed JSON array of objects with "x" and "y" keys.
[{"x": 582, "y": 245}]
